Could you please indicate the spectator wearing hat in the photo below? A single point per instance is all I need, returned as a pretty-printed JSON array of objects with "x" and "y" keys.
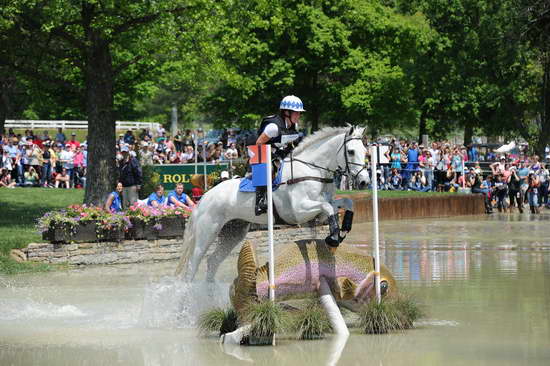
[
  {"x": 130, "y": 176},
  {"x": 178, "y": 198}
]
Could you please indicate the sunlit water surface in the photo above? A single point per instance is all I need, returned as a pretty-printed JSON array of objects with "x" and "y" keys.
[{"x": 484, "y": 282}]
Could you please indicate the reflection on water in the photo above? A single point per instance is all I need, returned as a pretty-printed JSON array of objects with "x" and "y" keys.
[{"x": 484, "y": 281}]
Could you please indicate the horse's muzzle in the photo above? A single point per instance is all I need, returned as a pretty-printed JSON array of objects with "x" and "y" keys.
[{"x": 362, "y": 185}]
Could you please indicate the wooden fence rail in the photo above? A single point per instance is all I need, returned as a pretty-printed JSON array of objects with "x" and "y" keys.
[{"x": 75, "y": 125}]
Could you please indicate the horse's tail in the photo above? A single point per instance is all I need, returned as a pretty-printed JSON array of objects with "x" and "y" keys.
[{"x": 188, "y": 245}]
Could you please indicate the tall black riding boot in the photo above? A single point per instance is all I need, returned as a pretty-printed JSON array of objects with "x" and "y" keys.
[{"x": 261, "y": 201}]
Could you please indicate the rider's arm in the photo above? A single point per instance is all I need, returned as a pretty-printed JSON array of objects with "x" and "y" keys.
[
  {"x": 270, "y": 131},
  {"x": 262, "y": 139}
]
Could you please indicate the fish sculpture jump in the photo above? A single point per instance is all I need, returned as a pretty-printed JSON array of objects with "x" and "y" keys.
[{"x": 299, "y": 266}]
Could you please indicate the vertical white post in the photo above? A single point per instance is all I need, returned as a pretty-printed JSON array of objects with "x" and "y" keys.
[
  {"x": 196, "y": 154},
  {"x": 204, "y": 165},
  {"x": 270, "y": 226},
  {"x": 463, "y": 172},
  {"x": 374, "y": 182}
]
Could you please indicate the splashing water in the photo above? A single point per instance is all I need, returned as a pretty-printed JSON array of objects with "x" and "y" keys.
[{"x": 171, "y": 303}]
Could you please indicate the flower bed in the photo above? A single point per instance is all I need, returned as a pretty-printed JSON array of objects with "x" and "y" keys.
[
  {"x": 83, "y": 223},
  {"x": 162, "y": 222},
  {"x": 89, "y": 223}
]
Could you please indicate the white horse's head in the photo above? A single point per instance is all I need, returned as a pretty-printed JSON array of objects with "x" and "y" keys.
[{"x": 352, "y": 156}]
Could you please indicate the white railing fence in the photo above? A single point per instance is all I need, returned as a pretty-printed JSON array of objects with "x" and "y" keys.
[{"x": 76, "y": 125}]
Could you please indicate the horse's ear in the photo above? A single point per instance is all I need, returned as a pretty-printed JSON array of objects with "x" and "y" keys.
[{"x": 352, "y": 128}]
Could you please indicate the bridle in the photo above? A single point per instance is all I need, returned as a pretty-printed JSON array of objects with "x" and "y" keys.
[{"x": 336, "y": 172}]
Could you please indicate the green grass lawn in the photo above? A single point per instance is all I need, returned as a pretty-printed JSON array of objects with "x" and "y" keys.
[{"x": 19, "y": 210}]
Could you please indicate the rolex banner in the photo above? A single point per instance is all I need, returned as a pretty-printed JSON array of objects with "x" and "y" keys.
[{"x": 182, "y": 173}]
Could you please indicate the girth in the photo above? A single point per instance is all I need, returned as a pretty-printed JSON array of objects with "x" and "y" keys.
[{"x": 302, "y": 179}]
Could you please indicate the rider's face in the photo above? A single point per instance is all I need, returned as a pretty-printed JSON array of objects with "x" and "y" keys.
[{"x": 294, "y": 116}]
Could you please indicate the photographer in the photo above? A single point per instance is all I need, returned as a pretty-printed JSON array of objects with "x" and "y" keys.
[{"x": 514, "y": 190}]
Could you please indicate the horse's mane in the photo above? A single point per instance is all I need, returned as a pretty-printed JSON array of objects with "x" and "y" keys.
[{"x": 319, "y": 135}]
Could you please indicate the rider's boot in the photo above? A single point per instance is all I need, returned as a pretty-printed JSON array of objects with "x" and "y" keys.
[
  {"x": 333, "y": 240},
  {"x": 346, "y": 225},
  {"x": 261, "y": 201}
]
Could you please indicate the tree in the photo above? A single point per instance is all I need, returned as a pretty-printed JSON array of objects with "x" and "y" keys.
[
  {"x": 347, "y": 60},
  {"x": 93, "y": 51}
]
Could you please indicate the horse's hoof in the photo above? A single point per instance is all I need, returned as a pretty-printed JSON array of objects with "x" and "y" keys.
[{"x": 332, "y": 242}]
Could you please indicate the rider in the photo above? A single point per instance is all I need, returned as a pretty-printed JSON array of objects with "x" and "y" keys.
[{"x": 279, "y": 130}]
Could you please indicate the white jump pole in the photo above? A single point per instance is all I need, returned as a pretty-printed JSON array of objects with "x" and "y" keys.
[
  {"x": 196, "y": 153},
  {"x": 270, "y": 226},
  {"x": 374, "y": 182},
  {"x": 463, "y": 174},
  {"x": 204, "y": 166}
]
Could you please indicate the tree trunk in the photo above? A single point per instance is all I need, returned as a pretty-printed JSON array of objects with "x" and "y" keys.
[
  {"x": 544, "y": 137},
  {"x": 6, "y": 87},
  {"x": 422, "y": 130},
  {"x": 468, "y": 133},
  {"x": 101, "y": 172}
]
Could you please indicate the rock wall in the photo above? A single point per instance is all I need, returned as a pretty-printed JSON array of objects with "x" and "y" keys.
[
  {"x": 136, "y": 251},
  {"x": 159, "y": 250}
]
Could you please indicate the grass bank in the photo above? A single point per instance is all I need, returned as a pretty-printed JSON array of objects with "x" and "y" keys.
[{"x": 19, "y": 210}]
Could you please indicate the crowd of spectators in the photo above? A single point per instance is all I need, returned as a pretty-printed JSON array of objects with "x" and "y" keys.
[
  {"x": 41, "y": 160},
  {"x": 513, "y": 179},
  {"x": 58, "y": 161},
  {"x": 33, "y": 160}
]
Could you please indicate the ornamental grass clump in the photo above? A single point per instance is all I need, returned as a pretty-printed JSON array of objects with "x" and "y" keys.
[
  {"x": 380, "y": 318},
  {"x": 311, "y": 322},
  {"x": 392, "y": 313},
  {"x": 266, "y": 318},
  {"x": 218, "y": 320}
]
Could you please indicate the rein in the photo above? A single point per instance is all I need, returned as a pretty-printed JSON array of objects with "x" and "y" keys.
[{"x": 338, "y": 171}]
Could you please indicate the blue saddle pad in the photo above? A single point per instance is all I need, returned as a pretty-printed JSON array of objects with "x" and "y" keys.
[{"x": 246, "y": 183}]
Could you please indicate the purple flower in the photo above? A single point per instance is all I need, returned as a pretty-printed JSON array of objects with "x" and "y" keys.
[{"x": 157, "y": 227}]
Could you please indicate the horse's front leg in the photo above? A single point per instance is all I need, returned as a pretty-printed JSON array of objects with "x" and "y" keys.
[
  {"x": 346, "y": 204},
  {"x": 306, "y": 207}
]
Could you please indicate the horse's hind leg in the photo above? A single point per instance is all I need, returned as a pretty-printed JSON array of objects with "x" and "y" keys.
[
  {"x": 203, "y": 240},
  {"x": 231, "y": 234}
]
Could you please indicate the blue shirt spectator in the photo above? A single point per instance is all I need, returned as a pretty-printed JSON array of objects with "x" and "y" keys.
[
  {"x": 157, "y": 198},
  {"x": 179, "y": 199}
]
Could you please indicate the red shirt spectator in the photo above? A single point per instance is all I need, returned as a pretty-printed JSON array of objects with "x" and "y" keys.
[{"x": 72, "y": 142}]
